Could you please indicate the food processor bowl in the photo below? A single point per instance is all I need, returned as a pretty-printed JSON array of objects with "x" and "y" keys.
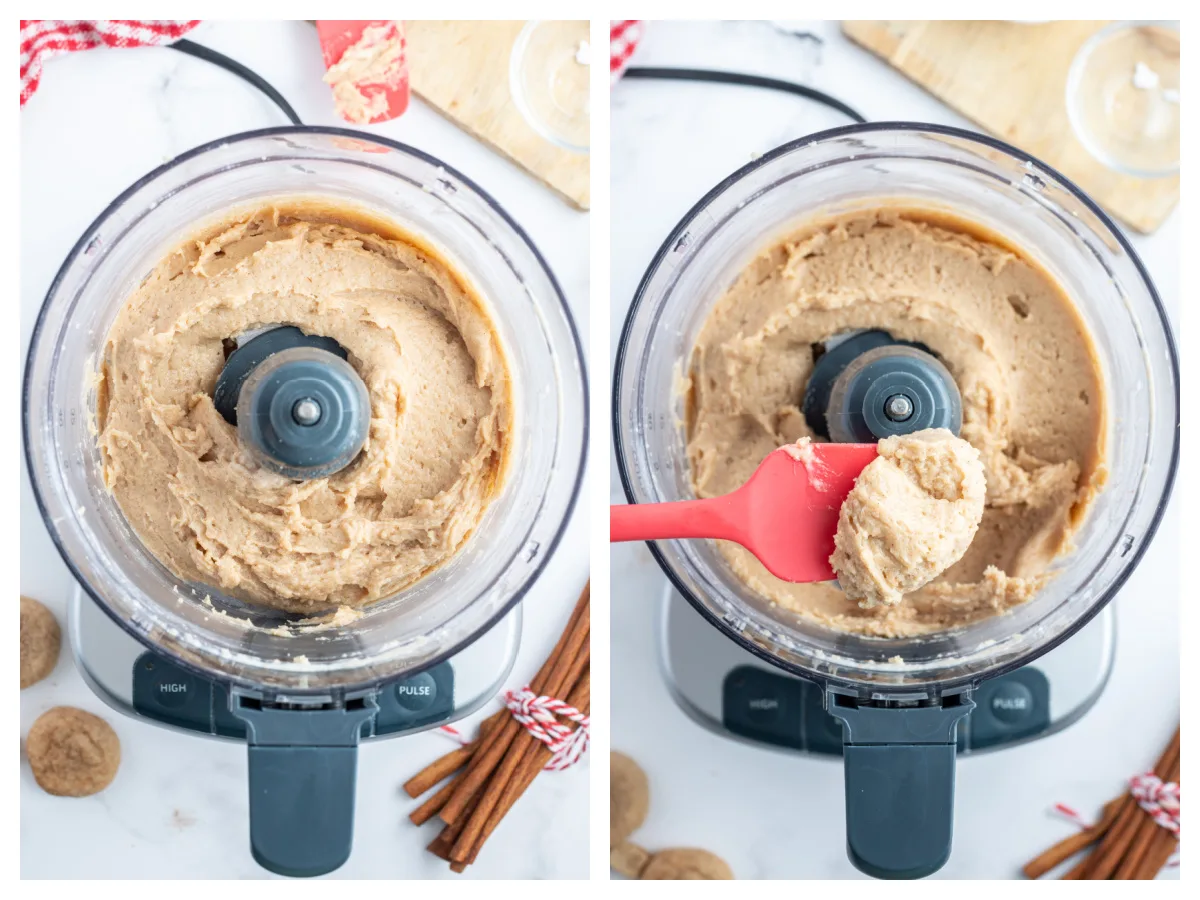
[
  {"x": 198, "y": 625},
  {"x": 1009, "y": 193}
]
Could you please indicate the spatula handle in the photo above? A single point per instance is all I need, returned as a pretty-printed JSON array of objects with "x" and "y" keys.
[{"x": 714, "y": 518}]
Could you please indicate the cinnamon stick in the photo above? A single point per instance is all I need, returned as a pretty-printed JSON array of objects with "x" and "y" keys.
[
  {"x": 444, "y": 842},
  {"x": 1131, "y": 861},
  {"x": 450, "y": 763},
  {"x": 1154, "y": 846},
  {"x": 1104, "y": 860},
  {"x": 493, "y": 745},
  {"x": 438, "y": 846},
  {"x": 434, "y": 804},
  {"x": 1068, "y": 847},
  {"x": 531, "y": 766},
  {"x": 439, "y": 770},
  {"x": 1164, "y": 844},
  {"x": 485, "y": 762},
  {"x": 487, "y": 776},
  {"x": 575, "y": 659},
  {"x": 1077, "y": 870}
]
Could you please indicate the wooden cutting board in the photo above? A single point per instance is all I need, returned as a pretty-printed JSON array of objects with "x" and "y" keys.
[
  {"x": 1011, "y": 79},
  {"x": 461, "y": 70}
]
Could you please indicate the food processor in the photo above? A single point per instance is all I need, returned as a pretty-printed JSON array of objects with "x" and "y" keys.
[
  {"x": 301, "y": 693},
  {"x": 898, "y": 709}
]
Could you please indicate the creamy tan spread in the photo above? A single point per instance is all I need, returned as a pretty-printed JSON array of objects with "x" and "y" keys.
[
  {"x": 910, "y": 516},
  {"x": 1032, "y": 394},
  {"x": 417, "y": 334}
]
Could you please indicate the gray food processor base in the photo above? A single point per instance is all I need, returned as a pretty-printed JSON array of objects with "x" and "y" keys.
[
  {"x": 302, "y": 759},
  {"x": 734, "y": 693},
  {"x": 899, "y": 769}
]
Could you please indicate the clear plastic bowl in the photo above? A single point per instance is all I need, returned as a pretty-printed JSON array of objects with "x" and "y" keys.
[
  {"x": 441, "y": 613},
  {"x": 976, "y": 178},
  {"x": 1123, "y": 97},
  {"x": 548, "y": 78}
]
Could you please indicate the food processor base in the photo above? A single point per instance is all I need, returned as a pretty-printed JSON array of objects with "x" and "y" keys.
[
  {"x": 733, "y": 693},
  {"x": 140, "y": 683},
  {"x": 302, "y": 748}
]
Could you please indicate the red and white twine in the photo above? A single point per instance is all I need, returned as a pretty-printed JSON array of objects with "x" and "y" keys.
[
  {"x": 1082, "y": 822},
  {"x": 1160, "y": 799},
  {"x": 454, "y": 734},
  {"x": 541, "y": 718}
]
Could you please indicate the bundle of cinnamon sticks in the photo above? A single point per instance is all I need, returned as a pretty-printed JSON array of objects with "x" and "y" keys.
[
  {"x": 1128, "y": 843},
  {"x": 489, "y": 775}
]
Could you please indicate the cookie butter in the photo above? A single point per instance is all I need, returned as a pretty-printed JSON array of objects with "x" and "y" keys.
[
  {"x": 1032, "y": 394},
  {"x": 910, "y": 516},
  {"x": 424, "y": 345}
]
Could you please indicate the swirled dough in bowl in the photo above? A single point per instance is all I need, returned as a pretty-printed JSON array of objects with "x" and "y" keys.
[
  {"x": 1032, "y": 393},
  {"x": 417, "y": 334}
]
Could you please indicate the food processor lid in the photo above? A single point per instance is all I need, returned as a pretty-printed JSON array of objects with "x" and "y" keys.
[
  {"x": 763, "y": 639},
  {"x": 256, "y": 647}
]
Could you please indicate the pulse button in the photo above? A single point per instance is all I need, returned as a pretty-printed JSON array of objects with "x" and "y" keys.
[
  {"x": 417, "y": 693},
  {"x": 1011, "y": 702}
]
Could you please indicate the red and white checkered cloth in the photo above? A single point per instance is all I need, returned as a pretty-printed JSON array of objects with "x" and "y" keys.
[
  {"x": 623, "y": 37},
  {"x": 42, "y": 39}
]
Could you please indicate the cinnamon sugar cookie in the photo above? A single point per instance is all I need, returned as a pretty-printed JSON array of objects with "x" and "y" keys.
[
  {"x": 41, "y": 639},
  {"x": 72, "y": 753}
]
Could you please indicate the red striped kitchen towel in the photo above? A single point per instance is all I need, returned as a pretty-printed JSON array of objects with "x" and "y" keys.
[
  {"x": 623, "y": 38},
  {"x": 42, "y": 39}
]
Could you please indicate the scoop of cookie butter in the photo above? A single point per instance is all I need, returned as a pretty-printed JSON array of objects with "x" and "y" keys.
[
  {"x": 911, "y": 515},
  {"x": 426, "y": 350}
]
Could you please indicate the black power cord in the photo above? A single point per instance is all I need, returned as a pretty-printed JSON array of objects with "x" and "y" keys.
[
  {"x": 231, "y": 65},
  {"x": 718, "y": 77}
]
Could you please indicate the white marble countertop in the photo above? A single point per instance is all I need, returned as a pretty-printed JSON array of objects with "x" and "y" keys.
[
  {"x": 773, "y": 815},
  {"x": 177, "y": 808}
]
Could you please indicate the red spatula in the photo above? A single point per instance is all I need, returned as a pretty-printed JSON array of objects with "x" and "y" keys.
[
  {"x": 374, "y": 84},
  {"x": 786, "y": 514}
]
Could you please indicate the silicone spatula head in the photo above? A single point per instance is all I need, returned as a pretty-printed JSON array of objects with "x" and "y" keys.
[
  {"x": 789, "y": 508},
  {"x": 786, "y": 514},
  {"x": 366, "y": 66}
]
